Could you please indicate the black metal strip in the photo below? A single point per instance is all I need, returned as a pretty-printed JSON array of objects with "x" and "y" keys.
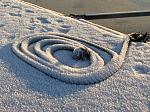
[{"x": 112, "y": 15}]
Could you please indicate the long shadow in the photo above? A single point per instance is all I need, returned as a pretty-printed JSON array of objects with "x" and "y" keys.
[{"x": 35, "y": 80}]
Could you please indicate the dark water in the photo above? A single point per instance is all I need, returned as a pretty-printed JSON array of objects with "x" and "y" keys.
[{"x": 125, "y": 25}]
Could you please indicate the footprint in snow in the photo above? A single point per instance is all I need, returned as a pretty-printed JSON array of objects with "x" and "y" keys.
[
  {"x": 59, "y": 20},
  {"x": 2, "y": 24},
  {"x": 141, "y": 69},
  {"x": 32, "y": 27},
  {"x": 64, "y": 28},
  {"x": 46, "y": 29},
  {"x": 105, "y": 35},
  {"x": 6, "y": 4},
  {"x": 43, "y": 20},
  {"x": 29, "y": 11},
  {"x": 11, "y": 37},
  {"x": 16, "y": 7},
  {"x": 15, "y": 14}
]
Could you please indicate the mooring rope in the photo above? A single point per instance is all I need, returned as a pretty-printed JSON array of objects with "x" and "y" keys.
[
  {"x": 38, "y": 50},
  {"x": 31, "y": 50}
]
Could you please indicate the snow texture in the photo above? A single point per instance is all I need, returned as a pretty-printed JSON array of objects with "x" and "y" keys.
[{"x": 25, "y": 88}]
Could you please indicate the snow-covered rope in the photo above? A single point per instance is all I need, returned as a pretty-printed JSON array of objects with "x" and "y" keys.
[{"x": 31, "y": 49}]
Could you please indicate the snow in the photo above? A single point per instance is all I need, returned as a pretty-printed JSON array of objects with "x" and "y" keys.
[{"x": 25, "y": 88}]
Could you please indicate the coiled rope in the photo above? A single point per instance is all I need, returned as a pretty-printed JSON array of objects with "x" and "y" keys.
[{"x": 38, "y": 50}]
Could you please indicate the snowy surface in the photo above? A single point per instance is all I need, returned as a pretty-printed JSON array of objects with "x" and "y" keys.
[{"x": 24, "y": 88}]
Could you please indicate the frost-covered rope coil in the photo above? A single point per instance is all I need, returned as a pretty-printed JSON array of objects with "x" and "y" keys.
[{"x": 31, "y": 49}]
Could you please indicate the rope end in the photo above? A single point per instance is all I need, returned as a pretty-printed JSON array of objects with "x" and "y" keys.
[{"x": 139, "y": 37}]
